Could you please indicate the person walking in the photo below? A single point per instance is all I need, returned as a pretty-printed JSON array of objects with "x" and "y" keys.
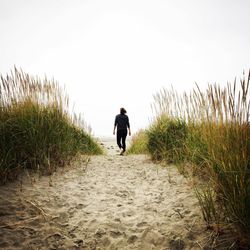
[{"x": 123, "y": 127}]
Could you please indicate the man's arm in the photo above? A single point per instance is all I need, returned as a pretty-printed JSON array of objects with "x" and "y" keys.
[
  {"x": 128, "y": 125},
  {"x": 115, "y": 125}
]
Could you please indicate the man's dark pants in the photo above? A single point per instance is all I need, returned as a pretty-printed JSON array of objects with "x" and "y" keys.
[{"x": 121, "y": 137}]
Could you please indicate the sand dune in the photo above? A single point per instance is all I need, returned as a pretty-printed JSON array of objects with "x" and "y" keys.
[{"x": 113, "y": 202}]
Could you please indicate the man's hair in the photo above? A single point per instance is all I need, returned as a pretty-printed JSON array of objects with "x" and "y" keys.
[{"x": 123, "y": 111}]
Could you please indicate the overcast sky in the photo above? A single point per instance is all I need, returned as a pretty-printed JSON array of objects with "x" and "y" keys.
[{"x": 116, "y": 53}]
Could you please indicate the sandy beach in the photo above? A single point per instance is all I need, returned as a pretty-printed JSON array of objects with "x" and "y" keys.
[{"x": 106, "y": 202}]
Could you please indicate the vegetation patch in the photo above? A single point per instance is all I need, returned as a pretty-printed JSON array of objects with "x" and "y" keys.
[
  {"x": 36, "y": 129},
  {"x": 209, "y": 131},
  {"x": 139, "y": 143}
]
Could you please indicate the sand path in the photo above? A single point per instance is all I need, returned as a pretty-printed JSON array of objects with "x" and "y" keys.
[{"x": 113, "y": 202}]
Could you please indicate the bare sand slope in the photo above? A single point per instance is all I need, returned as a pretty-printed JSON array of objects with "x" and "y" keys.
[{"x": 113, "y": 202}]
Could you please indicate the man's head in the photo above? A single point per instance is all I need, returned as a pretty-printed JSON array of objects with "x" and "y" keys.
[{"x": 123, "y": 111}]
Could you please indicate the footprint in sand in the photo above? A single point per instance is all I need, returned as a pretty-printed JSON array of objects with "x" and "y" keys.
[
  {"x": 115, "y": 233},
  {"x": 128, "y": 213},
  {"x": 130, "y": 202},
  {"x": 79, "y": 243},
  {"x": 80, "y": 206},
  {"x": 132, "y": 239},
  {"x": 122, "y": 193},
  {"x": 71, "y": 211},
  {"x": 100, "y": 232},
  {"x": 142, "y": 224},
  {"x": 28, "y": 231},
  {"x": 55, "y": 240},
  {"x": 63, "y": 217}
]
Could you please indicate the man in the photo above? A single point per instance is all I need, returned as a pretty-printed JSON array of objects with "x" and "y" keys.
[{"x": 123, "y": 126}]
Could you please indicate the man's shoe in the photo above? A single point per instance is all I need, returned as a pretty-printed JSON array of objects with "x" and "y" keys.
[{"x": 122, "y": 152}]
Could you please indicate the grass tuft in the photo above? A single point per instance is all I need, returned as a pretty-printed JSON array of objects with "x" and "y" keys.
[
  {"x": 36, "y": 129},
  {"x": 139, "y": 143},
  {"x": 166, "y": 139}
]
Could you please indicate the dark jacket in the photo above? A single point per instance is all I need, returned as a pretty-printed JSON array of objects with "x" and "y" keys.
[{"x": 122, "y": 122}]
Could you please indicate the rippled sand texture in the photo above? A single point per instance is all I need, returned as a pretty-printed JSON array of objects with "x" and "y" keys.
[{"x": 112, "y": 202}]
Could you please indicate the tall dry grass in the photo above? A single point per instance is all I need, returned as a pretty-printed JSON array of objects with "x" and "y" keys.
[
  {"x": 219, "y": 140},
  {"x": 36, "y": 129},
  {"x": 215, "y": 142}
]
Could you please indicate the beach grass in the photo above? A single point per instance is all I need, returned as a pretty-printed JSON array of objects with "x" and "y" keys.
[
  {"x": 209, "y": 131},
  {"x": 166, "y": 139},
  {"x": 36, "y": 128},
  {"x": 139, "y": 143}
]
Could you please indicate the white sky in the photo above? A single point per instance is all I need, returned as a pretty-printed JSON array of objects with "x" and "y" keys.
[{"x": 113, "y": 53}]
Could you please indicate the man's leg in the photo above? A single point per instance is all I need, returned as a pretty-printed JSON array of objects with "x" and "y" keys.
[
  {"x": 124, "y": 135},
  {"x": 118, "y": 138}
]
